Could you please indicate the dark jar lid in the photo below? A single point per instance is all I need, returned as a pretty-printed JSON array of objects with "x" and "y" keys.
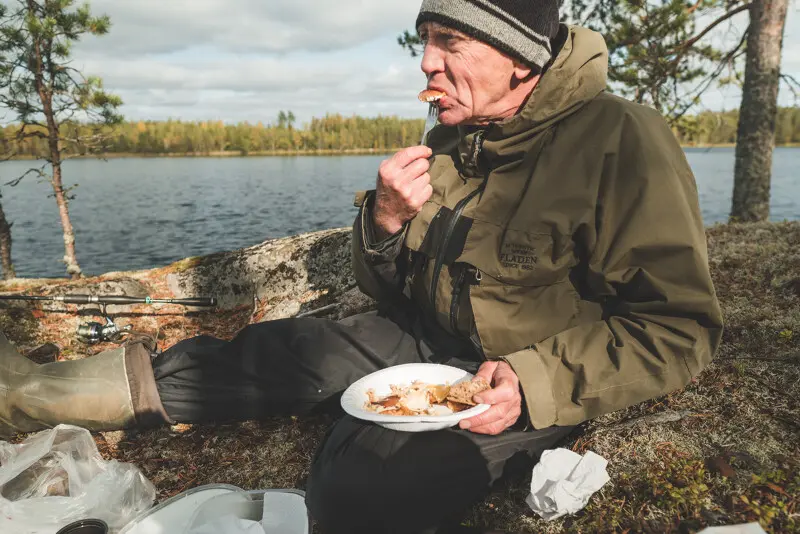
[{"x": 85, "y": 526}]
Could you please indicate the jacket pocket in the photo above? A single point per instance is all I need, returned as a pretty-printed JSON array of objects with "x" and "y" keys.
[{"x": 516, "y": 257}]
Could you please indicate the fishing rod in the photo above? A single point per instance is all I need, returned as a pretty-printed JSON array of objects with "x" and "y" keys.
[
  {"x": 113, "y": 299},
  {"x": 94, "y": 332}
]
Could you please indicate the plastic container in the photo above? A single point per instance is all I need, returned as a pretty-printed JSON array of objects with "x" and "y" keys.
[
  {"x": 85, "y": 526},
  {"x": 279, "y": 511}
]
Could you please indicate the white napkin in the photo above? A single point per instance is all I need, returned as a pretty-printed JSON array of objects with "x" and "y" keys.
[
  {"x": 563, "y": 482},
  {"x": 228, "y": 524}
]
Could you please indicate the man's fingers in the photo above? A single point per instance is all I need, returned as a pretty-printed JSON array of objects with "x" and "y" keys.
[
  {"x": 505, "y": 372},
  {"x": 400, "y": 179},
  {"x": 487, "y": 370},
  {"x": 421, "y": 195},
  {"x": 495, "y": 413},
  {"x": 503, "y": 392},
  {"x": 412, "y": 193},
  {"x": 415, "y": 169},
  {"x": 491, "y": 429},
  {"x": 406, "y": 156},
  {"x": 496, "y": 427}
]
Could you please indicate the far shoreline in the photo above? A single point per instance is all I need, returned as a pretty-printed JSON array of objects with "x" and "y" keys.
[{"x": 284, "y": 153}]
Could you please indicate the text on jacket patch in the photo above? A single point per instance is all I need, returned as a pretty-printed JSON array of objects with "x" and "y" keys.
[{"x": 518, "y": 257}]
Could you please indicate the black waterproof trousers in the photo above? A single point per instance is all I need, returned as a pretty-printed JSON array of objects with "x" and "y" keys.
[{"x": 364, "y": 478}]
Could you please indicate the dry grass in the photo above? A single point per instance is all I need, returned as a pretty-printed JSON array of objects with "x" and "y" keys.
[{"x": 730, "y": 455}]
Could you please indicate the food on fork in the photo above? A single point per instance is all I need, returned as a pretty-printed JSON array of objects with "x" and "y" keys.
[
  {"x": 431, "y": 95},
  {"x": 425, "y": 399}
]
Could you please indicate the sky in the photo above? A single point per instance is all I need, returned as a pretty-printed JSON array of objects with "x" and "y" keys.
[{"x": 244, "y": 60}]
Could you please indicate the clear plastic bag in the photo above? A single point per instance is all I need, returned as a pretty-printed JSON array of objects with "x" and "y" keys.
[{"x": 57, "y": 476}]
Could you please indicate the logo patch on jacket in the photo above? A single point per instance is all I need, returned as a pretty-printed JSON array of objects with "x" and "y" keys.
[{"x": 514, "y": 256}]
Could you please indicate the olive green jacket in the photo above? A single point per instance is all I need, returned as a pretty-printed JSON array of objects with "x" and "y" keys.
[{"x": 566, "y": 240}]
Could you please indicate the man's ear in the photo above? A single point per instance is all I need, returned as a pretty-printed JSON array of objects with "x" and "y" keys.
[{"x": 523, "y": 72}]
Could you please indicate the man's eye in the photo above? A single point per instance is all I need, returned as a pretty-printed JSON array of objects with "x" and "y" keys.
[{"x": 450, "y": 40}]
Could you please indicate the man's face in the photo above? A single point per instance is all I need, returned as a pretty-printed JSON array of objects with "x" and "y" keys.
[{"x": 476, "y": 77}]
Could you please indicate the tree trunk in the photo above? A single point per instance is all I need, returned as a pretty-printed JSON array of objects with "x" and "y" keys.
[
  {"x": 5, "y": 247},
  {"x": 45, "y": 92},
  {"x": 755, "y": 140},
  {"x": 70, "y": 259}
]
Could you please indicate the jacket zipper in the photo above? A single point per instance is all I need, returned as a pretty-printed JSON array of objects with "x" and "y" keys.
[
  {"x": 455, "y": 302},
  {"x": 451, "y": 225}
]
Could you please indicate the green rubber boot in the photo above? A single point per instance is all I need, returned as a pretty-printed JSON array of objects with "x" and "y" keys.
[{"x": 110, "y": 391}]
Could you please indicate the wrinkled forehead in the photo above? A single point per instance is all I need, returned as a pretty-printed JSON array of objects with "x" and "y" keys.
[{"x": 427, "y": 30}]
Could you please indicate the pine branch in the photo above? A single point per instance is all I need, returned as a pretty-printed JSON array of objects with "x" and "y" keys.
[
  {"x": 730, "y": 14},
  {"x": 792, "y": 83},
  {"x": 40, "y": 171},
  {"x": 693, "y": 8},
  {"x": 729, "y": 58}
]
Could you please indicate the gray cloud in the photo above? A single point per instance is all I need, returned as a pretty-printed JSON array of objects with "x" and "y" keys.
[
  {"x": 255, "y": 89},
  {"x": 246, "y": 26},
  {"x": 238, "y": 60},
  {"x": 246, "y": 59}
]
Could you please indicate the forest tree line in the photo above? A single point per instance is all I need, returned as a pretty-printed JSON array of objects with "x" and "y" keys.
[{"x": 331, "y": 133}]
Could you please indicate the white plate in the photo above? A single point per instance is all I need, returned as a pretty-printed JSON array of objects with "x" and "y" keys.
[{"x": 355, "y": 396}]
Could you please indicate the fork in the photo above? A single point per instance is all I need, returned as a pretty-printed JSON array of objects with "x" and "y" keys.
[{"x": 430, "y": 121}]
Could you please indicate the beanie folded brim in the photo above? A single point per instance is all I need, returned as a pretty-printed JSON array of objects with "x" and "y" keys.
[{"x": 486, "y": 22}]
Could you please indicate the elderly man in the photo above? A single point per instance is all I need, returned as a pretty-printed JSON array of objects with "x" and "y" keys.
[{"x": 548, "y": 237}]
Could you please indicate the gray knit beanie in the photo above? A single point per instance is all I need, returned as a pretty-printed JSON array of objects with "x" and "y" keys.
[{"x": 522, "y": 29}]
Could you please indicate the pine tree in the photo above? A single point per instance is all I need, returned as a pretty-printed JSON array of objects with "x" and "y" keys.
[{"x": 39, "y": 87}]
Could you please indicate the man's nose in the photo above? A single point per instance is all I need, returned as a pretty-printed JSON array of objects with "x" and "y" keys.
[{"x": 432, "y": 60}]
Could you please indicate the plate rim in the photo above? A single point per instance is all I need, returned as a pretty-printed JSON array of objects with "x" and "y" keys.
[{"x": 401, "y": 419}]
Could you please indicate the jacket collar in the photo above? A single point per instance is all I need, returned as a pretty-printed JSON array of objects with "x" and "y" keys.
[{"x": 577, "y": 74}]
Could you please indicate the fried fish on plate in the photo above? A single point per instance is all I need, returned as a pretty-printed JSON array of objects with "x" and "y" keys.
[
  {"x": 418, "y": 398},
  {"x": 368, "y": 397}
]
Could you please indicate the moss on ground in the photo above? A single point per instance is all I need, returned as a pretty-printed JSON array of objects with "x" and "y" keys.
[
  {"x": 20, "y": 326},
  {"x": 729, "y": 455}
]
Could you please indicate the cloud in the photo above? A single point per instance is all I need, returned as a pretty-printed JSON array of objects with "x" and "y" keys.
[
  {"x": 247, "y": 59},
  {"x": 236, "y": 60},
  {"x": 256, "y": 88},
  {"x": 246, "y": 26}
]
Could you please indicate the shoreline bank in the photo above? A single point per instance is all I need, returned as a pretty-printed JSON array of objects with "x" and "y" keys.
[{"x": 284, "y": 153}]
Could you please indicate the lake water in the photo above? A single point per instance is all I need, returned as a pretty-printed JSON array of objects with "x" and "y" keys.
[{"x": 142, "y": 213}]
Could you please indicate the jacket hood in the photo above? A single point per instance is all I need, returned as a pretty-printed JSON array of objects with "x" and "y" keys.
[{"x": 577, "y": 75}]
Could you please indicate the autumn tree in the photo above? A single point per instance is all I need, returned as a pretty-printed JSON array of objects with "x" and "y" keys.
[
  {"x": 46, "y": 94},
  {"x": 668, "y": 53}
]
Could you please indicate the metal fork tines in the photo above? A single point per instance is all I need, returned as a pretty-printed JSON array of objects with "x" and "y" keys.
[{"x": 430, "y": 121}]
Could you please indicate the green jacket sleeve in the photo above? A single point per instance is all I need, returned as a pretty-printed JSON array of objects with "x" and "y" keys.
[
  {"x": 647, "y": 268},
  {"x": 374, "y": 262}
]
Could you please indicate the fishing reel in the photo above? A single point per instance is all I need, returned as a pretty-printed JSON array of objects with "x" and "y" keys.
[{"x": 93, "y": 332}]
